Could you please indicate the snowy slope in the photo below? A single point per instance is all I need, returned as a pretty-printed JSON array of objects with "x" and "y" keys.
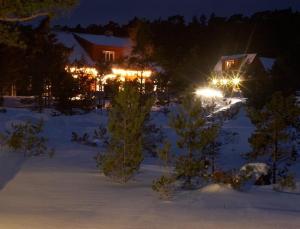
[{"x": 67, "y": 192}]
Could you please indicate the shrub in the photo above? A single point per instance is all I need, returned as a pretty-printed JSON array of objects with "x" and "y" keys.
[
  {"x": 26, "y": 137},
  {"x": 84, "y": 139},
  {"x": 237, "y": 180},
  {"x": 164, "y": 186},
  {"x": 287, "y": 182}
]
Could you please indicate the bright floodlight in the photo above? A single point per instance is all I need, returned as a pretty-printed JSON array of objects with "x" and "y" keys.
[
  {"x": 215, "y": 81},
  {"x": 209, "y": 93},
  {"x": 224, "y": 81},
  {"x": 236, "y": 81}
]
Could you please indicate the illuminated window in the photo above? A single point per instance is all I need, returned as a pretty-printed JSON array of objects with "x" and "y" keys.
[
  {"x": 109, "y": 56},
  {"x": 229, "y": 64}
]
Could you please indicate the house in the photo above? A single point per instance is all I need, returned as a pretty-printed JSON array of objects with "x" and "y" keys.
[
  {"x": 243, "y": 62},
  {"x": 92, "y": 49},
  {"x": 231, "y": 70}
]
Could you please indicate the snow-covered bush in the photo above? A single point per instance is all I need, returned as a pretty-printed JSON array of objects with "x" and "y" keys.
[
  {"x": 26, "y": 138},
  {"x": 237, "y": 180},
  {"x": 260, "y": 173}
]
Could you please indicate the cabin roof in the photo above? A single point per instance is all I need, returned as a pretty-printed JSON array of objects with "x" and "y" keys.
[
  {"x": 105, "y": 40},
  {"x": 248, "y": 59},
  {"x": 78, "y": 53}
]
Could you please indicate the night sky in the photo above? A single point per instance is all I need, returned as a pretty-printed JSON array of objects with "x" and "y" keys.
[{"x": 101, "y": 11}]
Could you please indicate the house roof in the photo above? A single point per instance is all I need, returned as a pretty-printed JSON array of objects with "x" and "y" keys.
[
  {"x": 105, "y": 40},
  {"x": 78, "y": 53},
  {"x": 248, "y": 59}
]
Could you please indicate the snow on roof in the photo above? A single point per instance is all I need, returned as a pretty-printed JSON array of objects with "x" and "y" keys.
[
  {"x": 248, "y": 58},
  {"x": 78, "y": 53},
  {"x": 105, "y": 40},
  {"x": 268, "y": 63}
]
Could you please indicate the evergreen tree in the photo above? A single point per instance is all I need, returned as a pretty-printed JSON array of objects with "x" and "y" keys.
[
  {"x": 46, "y": 67},
  {"x": 164, "y": 184},
  {"x": 14, "y": 11},
  {"x": 275, "y": 126},
  {"x": 191, "y": 127},
  {"x": 125, "y": 126},
  {"x": 212, "y": 146}
]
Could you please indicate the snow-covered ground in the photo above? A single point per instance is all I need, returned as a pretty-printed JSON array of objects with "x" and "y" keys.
[{"x": 68, "y": 192}]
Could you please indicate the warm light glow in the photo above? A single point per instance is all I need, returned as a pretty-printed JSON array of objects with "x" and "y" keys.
[
  {"x": 224, "y": 81},
  {"x": 131, "y": 73},
  {"x": 236, "y": 81},
  {"x": 215, "y": 81},
  {"x": 121, "y": 74},
  {"x": 83, "y": 70},
  {"x": 209, "y": 93}
]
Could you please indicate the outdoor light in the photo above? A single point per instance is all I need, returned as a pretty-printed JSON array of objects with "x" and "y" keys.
[
  {"x": 215, "y": 81},
  {"x": 131, "y": 73},
  {"x": 209, "y": 93},
  {"x": 236, "y": 81},
  {"x": 224, "y": 81},
  {"x": 121, "y": 74}
]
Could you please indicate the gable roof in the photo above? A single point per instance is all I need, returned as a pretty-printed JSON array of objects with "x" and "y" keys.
[
  {"x": 105, "y": 40},
  {"x": 78, "y": 53},
  {"x": 248, "y": 59},
  {"x": 69, "y": 40}
]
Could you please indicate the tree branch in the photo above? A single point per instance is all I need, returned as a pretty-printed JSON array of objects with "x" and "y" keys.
[{"x": 23, "y": 19}]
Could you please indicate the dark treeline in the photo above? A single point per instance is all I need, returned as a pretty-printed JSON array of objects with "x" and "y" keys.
[{"x": 189, "y": 50}]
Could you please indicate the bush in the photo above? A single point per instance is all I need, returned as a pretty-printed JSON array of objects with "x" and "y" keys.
[
  {"x": 26, "y": 138},
  {"x": 189, "y": 170},
  {"x": 287, "y": 182},
  {"x": 237, "y": 180},
  {"x": 84, "y": 139},
  {"x": 164, "y": 186}
]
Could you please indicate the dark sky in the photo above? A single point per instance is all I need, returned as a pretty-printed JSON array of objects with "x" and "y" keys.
[{"x": 101, "y": 11}]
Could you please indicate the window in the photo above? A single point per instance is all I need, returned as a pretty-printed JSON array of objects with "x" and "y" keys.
[
  {"x": 229, "y": 64},
  {"x": 109, "y": 56}
]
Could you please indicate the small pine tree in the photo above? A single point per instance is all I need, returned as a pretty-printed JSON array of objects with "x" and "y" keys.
[
  {"x": 125, "y": 126},
  {"x": 191, "y": 128},
  {"x": 272, "y": 139},
  {"x": 26, "y": 138},
  {"x": 212, "y": 145},
  {"x": 164, "y": 184}
]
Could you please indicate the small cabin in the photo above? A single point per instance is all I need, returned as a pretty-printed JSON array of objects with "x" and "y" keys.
[{"x": 249, "y": 64}]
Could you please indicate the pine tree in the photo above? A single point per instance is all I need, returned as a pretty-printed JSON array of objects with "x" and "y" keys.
[
  {"x": 212, "y": 145},
  {"x": 164, "y": 184},
  {"x": 191, "y": 128},
  {"x": 125, "y": 126},
  {"x": 14, "y": 11},
  {"x": 273, "y": 138}
]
